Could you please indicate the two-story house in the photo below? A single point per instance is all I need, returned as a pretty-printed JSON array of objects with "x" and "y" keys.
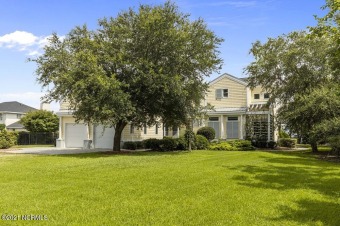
[
  {"x": 238, "y": 113},
  {"x": 11, "y": 113}
]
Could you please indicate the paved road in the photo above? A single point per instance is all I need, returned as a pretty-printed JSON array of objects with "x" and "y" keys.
[{"x": 51, "y": 151}]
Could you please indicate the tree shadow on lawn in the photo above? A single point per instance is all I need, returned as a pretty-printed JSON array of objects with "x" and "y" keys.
[
  {"x": 311, "y": 211},
  {"x": 292, "y": 172}
]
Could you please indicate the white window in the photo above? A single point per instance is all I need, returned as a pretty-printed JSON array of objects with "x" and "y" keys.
[
  {"x": 221, "y": 93},
  {"x": 256, "y": 96}
]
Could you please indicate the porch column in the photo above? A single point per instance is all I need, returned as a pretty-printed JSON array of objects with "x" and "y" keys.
[
  {"x": 60, "y": 128},
  {"x": 241, "y": 126},
  {"x": 268, "y": 137},
  {"x": 60, "y": 143},
  {"x": 222, "y": 127}
]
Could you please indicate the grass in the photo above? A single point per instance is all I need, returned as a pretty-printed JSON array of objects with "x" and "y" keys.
[{"x": 197, "y": 188}]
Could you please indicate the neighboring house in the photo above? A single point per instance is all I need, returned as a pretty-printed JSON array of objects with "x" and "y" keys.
[
  {"x": 11, "y": 113},
  {"x": 239, "y": 113}
]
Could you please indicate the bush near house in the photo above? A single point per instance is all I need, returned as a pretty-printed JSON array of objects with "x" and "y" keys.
[
  {"x": 287, "y": 142},
  {"x": 7, "y": 139},
  {"x": 130, "y": 145},
  {"x": 207, "y": 132},
  {"x": 232, "y": 145},
  {"x": 242, "y": 145},
  {"x": 201, "y": 142},
  {"x": 182, "y": 144},
  {"x": 223, "y": 146}
]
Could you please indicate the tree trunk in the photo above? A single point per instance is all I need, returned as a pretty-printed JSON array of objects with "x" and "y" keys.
[
  {"x": 314, "y": 146},
  {"x": 118, "y": 135}
]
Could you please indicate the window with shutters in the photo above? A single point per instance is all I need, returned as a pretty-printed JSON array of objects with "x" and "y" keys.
[{"x": 222, "y": 93}]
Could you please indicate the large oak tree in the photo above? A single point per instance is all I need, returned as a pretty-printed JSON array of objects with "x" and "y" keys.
[{"x": 139, "y": 67}]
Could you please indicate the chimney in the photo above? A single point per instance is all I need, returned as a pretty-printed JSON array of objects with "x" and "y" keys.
[{"x": 45, "y": 106}]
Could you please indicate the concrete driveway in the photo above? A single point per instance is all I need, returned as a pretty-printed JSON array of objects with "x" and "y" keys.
[{"x": 52, "y": 151}]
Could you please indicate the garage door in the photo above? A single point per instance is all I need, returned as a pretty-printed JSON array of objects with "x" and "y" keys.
[
  {"x": 75, "y": 134},
  {"x": 103, "y": 138}
]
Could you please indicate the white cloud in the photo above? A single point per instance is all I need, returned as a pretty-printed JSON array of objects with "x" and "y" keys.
[
  {"x": 24, "y": 41},
  {"x": 32, "y": 99}
]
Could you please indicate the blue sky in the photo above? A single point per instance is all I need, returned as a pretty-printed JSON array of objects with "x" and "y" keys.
[{"x": 25, "y": 25}]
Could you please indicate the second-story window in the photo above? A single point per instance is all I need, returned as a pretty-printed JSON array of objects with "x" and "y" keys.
[
  {"x": 266, "y": 96},
  {"x": 256, "y": 96},
  {"x": 19, "y": 116},
  {"x": 222, "y": 93},
  {"x": 225, "y": 93},
  {"x": 132, "y": 129}
]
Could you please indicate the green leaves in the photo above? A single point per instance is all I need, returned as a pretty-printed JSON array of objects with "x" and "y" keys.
[
  {"x": 138, "y": 67},
  {"x": 40, "y": 121}
]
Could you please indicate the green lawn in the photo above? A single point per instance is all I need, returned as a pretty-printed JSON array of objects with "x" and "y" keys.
[{"x": 197, "y": 188}]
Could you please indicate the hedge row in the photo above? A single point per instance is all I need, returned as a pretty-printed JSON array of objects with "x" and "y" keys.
[{"x": 167, "y": 144}]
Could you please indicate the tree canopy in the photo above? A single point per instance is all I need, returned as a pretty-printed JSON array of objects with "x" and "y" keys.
[
  {"x": 40, "y": 121},
  {"x": 139, "y": 67},
  {"x": 297, "y": 71}
]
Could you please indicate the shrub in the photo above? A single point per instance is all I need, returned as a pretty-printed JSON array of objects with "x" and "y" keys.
[
  {"x": 130, "y": 145},
  {"x": 201, "y": 142},
  {"x": 7, "y": 139},
  {"x": 2, "y": 126},
  {"x": 287, "y": 142},
  {"x": 283, "y": 134},
  {"x": 224, "y": 146},
  {"x": 260, "y": 143},
  {"x": 182, "y": 144},
  {"x": 152, "y": 143},
  {"x": 139, "y": 144},
  {"x": 168, "y": 144},
  {"x": 272, "y": 144},
  {"x": 207, "y": 132},
  {"x": 241, "y": 145}
]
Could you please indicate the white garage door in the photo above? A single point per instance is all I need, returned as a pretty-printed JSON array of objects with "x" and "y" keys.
[
  {"x": 75, "y": 134},
  {"x": 103, "y": 138}
]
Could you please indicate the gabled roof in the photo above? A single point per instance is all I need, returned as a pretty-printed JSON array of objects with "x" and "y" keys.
[
  {"x": 231, "y": 77},
  {"x": 15, "y": 125},
  {"x": 15, "y": 106}
]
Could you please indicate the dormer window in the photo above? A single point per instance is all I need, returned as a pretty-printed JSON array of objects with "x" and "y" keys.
[
  {"x": 257, "y": 96},
  {"x": 266, "y": 96}
]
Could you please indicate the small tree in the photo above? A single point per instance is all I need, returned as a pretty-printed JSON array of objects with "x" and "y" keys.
[{"x": 40, "y": 121}]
